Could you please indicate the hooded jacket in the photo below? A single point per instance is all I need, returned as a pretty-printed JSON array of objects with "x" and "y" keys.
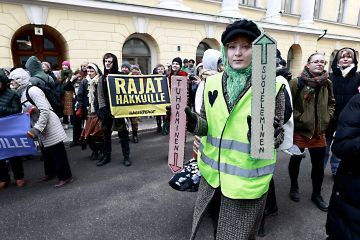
[
  {"x": 38, "y": 77},
  {"x": 9, "y": 99},
  {"x": 344, "y": 88}
]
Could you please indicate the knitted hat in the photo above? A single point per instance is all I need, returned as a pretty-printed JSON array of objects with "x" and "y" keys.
[
  {"x": 66, "y": 63},
  {"x": 135, "y": 66},
  {"x": 93, "y": 66},
  {"x": 178, "y": 60},
  {"x": 20, "y": 76},
  {"x": 126, "y": 64},
  {"x": 241, "y": 27}
]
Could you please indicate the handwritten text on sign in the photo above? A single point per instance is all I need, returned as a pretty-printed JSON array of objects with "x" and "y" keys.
[
  {"x": 263, "y": 97},
  {"x": 177, "y": 123}
]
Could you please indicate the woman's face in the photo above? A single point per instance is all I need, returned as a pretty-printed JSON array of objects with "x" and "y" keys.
[
  {"x": 317, "y": 64},
  {"x": 175, "y": 67},
  {"x": 91, "y": 72},
  {"x": 161, "y": 70},
  {"x": 65, "y": 67},
  {"x": 14, "y": 84},
  {"x": 239, "y": 52},
  {"x": 345, "y": 59},
  {"x": 135, "y": 71},
  {"x": 45, "y": 67}
]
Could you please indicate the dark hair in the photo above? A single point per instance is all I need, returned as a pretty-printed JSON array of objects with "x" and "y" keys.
[{"x": 192, "y": 60}]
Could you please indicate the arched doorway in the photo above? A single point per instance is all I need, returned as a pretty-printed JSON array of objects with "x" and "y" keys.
[
  {"x": 204, "y": 45},
  {"x": 293, "y": 60},
  {"x": 47, "y": 47},
  {"x": 136, "y": 51}
]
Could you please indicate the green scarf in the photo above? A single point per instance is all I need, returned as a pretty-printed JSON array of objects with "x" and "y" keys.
[{"x": 236, "y": 80}]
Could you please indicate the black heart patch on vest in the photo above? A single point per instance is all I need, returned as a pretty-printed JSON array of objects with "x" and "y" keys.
[{"x": 212, "y": 96}]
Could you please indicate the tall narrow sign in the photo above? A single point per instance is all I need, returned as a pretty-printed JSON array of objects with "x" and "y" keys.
[
  {"x": 179, "y": 93},
  {"x": 263, "y": 97}
]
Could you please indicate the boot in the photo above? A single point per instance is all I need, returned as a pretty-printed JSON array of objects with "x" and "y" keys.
[
  {"x": 135, "y": 137},
  {"x": 106, "y": 158},
  {"x": 319, "y": 202},
  {"x": 294, "y": 194},
  {"x": 20, "y": 182},
  {"x": 126, "y": 151}
]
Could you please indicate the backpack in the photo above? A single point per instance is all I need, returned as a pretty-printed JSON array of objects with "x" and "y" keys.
[{"x": 51, "y": 97}]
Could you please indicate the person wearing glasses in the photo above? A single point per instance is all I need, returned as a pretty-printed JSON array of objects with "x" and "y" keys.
[{"x": 313, "y": 107}]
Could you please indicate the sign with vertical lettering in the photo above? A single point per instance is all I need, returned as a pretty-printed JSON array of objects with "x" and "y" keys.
[
  {"x": 179, "y": 95},
  {"x": 263, "y": 97}
]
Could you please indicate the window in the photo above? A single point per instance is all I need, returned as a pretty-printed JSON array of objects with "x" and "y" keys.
[
  {"x": 287, "y": 6},
  {"x": 317, "y": 9},
  {"x": 24, "y": 43},
  {"x": 340, "y": 16},
  {"x": 248, "y": 2},
  {"x": 200, "y": 51},
  {"x": 136, "y": 51}
]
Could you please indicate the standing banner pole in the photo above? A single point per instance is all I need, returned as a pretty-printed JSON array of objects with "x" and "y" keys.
[
  {"x": 179, "y": 96},
  {"x": 263, "y": 97}
]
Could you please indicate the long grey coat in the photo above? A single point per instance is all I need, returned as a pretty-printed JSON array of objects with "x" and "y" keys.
[{"x": 47, "y": 122}]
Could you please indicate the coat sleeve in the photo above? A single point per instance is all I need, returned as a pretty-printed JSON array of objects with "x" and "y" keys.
[
  {"x": 100, "y": 93},
  {"x": 331, "y": 100},
  {"x": 43, "y": 105}
]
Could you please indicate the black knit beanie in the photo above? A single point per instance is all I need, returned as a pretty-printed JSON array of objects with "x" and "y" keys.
[
  {"x": 178, "y": 60},
  {"x": 242, "y": 27}
]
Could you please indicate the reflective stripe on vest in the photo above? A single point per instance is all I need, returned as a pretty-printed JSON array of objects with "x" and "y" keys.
[{"x": 235, "y": 170}]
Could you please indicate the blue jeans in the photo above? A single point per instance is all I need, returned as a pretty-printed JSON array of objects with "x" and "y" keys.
[{"x": 334, "y": 161}]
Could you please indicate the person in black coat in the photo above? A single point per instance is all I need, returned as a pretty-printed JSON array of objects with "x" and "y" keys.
[
  {"x": 9, "y": 104},
  {"x": 343, "y": 219},
  {"x": 345, "y": 81}
]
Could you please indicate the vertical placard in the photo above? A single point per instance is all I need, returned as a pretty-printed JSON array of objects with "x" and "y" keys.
[
  {"x": 179, "y": 95},
  {"x": 263, "y": 97}
]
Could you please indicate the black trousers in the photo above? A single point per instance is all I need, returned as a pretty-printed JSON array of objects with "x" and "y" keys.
[
  {"x": 77, "y": 128},
  {"x": 107, "y": 134},
  {"x": 56, "y": 161},
  {"x": 16, "y": 165},
  {"x": 317, "y": 171}
]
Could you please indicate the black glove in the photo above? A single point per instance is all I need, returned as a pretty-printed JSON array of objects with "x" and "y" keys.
[
  {"x": 191, "y": 119},
  {"x": 249, "y": 126},
  {"x": 168, "y": 111}
]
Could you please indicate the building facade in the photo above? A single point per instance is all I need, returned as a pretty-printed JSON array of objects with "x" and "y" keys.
[{"x": 149, "y": 32}]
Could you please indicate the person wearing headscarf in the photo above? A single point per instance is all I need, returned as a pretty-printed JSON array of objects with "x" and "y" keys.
[
  {"x": 235, "y": 193},
  {"x": 346, "y": 83},
  {"x": 9, "y": 104},
  {"x": 46, "y": 127}
]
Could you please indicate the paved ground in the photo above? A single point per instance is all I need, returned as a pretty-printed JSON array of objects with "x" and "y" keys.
[{"x": 136, "y": 203}]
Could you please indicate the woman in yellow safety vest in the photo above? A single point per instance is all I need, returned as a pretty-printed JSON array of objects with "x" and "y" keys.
[{"x": 234, "y": 185}]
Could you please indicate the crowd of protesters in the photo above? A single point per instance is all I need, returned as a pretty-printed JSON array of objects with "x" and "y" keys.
[{"x": 312, "y": 111}]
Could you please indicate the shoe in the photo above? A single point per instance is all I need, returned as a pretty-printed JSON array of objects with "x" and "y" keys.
[
  {"x": 158, "y": 130},
  {"x": 94, "y": 155},
  {"x": 62, "y": 183},
  {"x": 135, "y": 139},
  {"x": 319, "y": 202},
  {"x": 127, "y": 162},
  {"x": 20, "y": 182},
  {"x": 103, "y": 161},
  {"x": 46, "y": 178},
  {"x": 3, "y": 185},
  {"x": 271, "y": 211},
  {"x": 294, "y": 194}
]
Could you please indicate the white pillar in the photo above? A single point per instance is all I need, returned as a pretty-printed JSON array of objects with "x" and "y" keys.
[
  {"x": 230, "y": 8},
  {"x": 273, "y": 13},
  {"x": 307, "y": 13},
  {"x": 173, "y": 4}
]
